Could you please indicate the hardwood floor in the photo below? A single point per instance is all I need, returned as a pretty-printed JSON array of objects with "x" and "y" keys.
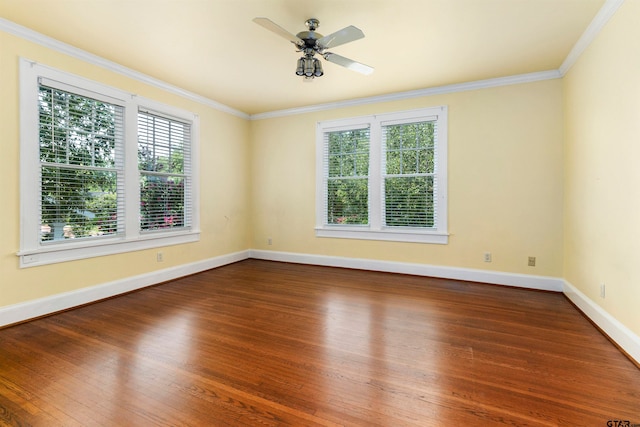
[{"x": 265, "y": 343}]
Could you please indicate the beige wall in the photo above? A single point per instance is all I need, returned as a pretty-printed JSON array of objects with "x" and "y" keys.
[
  {"x": 223, "y": 198},
  {"x": 505, "y": 175},
  {"x": 602, "y": 168}
]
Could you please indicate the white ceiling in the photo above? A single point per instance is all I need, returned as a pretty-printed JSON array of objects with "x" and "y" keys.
[{"x": 212, "y": 47}]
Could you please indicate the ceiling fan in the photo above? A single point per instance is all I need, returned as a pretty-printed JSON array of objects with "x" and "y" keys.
[{"x": 310, "y": 42}]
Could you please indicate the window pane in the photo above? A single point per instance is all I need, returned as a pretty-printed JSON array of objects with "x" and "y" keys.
[
  {"x": 426, "y": 162},
  {"x": 409, "y": 161},
  {"x": 77, "y": 203},
  {"x": 348, "y": 153},
  {"x": 348, "y": 165},
  {"x": 335, "y": 163},
  {"x": 409, "y": 201},
  {"x": 347, "y": 201},
  {"x": 425, "y": 134},
  {"x": 393, "y": 162},
  {"x": 161, "y": 202}
]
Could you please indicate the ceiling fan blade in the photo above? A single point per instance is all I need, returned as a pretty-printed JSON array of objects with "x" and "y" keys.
[
  {"x": 348, "y": 63},
  {"x": 273, "y": 27},
  {"x": 345, "y": 35}
]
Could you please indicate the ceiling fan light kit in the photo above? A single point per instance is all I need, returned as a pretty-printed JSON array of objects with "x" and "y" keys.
[
  {"x": 309, "y": 67},
  {"x": 310, "y": 42}
]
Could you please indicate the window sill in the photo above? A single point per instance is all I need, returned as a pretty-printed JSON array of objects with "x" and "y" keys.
[
  {"x": 393, "y": 235},
  {"x": 71, "y": 251}
]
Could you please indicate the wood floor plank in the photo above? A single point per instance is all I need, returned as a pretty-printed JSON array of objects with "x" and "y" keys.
[{"x": 265, "y": 343}]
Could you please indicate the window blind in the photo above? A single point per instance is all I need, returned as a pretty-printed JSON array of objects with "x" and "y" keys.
[
  {"x": 165, "y": 172},
  {"x": 346, "y": 169},
  {"x": 409, "y": 174},
  {"x": 81, "y": 166}
]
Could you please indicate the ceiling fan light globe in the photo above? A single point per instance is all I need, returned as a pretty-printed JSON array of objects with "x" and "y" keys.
[
  {"x": 309, "y": 67},
  {"x": 300, "y": 67},
  {"x": 317, "y": 67}
]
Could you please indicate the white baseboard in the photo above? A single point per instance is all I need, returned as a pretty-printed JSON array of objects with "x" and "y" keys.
[
  {"x": 494, "y": 277},
  {"x": 620, "y": 334},
  {"x": 40, "y": 307}
]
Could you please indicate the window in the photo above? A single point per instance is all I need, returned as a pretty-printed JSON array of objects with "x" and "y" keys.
[
  {"x": 347, "y": 178},
  {"x": 79, "y": 169},
  {"x": 163, "y": 162},
  {"x": 383, "y": 177},
  {"x": 102, "y": 171}
]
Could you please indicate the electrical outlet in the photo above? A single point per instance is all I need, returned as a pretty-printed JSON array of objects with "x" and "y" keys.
[
  {"x": 269, "y": 241},
  {"x": 159, "y": 257},
  {"x": 487, "y": 257},
  {"x": 532, "y": 261},
  {"x": 602, "y": 291}
]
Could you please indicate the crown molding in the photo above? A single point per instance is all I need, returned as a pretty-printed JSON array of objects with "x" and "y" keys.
[
  {"x": 399, "y": 96},
  {"x": 599, "y": 21},
  {"x": 48, "y": 42}
]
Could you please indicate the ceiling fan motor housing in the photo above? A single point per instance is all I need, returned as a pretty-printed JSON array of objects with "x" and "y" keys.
[{"x": 310, "y": 37}]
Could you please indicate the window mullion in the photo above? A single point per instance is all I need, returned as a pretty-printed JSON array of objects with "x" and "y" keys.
[
  {"x": 376, "y": 188},
  {"x": 131, "y": 175}
]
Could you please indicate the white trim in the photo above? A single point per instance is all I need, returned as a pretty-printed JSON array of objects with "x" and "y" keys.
[
  {"x": 48, "y": 42},
  {"x": 602, "y": 17},
  {"x": 43, "y": 306},
  {"x": 386, "y": 234},
  {"x": 544, "y": 283},
  {"x": 619, "y": 333},
  {"x": 399, "y": 96},
  {"x": 71, "y": 251}
]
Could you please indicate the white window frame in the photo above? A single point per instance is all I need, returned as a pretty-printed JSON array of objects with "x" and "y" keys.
[
  {"x": 32, "y": 250},
  {"x": 375, "y": 230}
]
